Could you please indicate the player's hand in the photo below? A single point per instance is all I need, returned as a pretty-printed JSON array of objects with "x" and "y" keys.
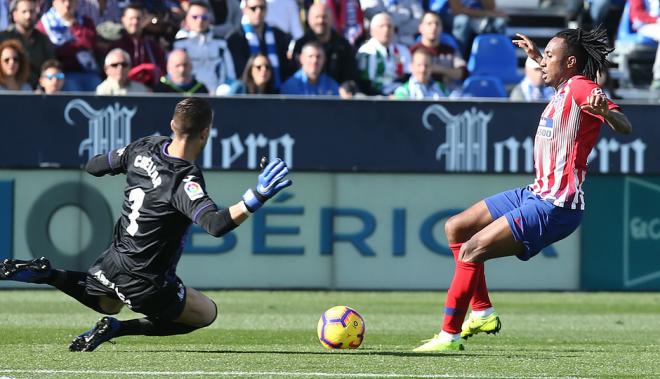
[
  {"x": 597, "y": 105},
  {"x": 528, "y": 46},
  {"x": 271, "y": 181}
]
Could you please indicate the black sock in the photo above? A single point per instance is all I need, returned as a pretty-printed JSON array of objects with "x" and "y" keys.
[
  {"x": 73, "y": 284},
  {"x": 153, "y": 327}
]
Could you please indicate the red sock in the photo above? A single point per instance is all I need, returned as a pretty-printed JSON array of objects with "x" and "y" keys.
[
  {"x": 480, "y": 299},
  {"x": 460, "y": 292}
]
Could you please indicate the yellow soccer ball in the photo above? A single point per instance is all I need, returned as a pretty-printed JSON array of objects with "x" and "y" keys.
[{"x": 341, "y": 327}]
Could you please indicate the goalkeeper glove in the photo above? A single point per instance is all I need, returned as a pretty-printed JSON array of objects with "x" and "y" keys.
[{"x": 271, "y": 181}]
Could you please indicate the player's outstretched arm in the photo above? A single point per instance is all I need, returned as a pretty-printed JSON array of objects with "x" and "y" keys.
[
  {"x": 98, "y": 165},
  {"x": 598, "y": 105},
  {"x": 271, "y": 181},
  {"x": 619, "y": 122},
  {"x": 528, "y": 46}
]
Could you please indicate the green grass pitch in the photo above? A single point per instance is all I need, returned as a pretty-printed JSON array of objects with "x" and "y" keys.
[{"x": 273, "y": 335}]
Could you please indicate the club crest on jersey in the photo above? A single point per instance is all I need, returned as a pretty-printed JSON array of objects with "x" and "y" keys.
[
  {"x": 545, "y": 128},
  {"x": 193, "y": 190}
]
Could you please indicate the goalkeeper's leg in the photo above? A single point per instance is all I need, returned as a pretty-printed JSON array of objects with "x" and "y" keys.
[
  {"x": 72, "y": 283},
  {"x": 195, "y": 312}
]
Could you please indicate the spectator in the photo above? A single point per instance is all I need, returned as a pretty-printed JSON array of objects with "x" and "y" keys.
[
  {"x": 14, "y": 67},
  {"x": 37, "y": 46},
  {"x": 532, "y": 87},
  {"x": 117, "y": 64},
  {"x": 257, "y": 79},
  {"x": 179, "y": 78},
  {"x": 285, "y": 15},
  {"x": 256, "y": 36},
  {"x": 142, "y": 49},
  {"x": 598, "y": 10},
  {"x": 74, "y": 38},
  {"x": 211, "y": 59},
  {"x": 645, "y": 22},
  {"x": 347, "y": 18},
  {"x": 349, "y": 90},
  {"x": 340, "y": 56},
  {"x": 405, "y": 14},
  {"x": 421, "y": 85},
  {"x": 381, "y": 62},
  {"x": 99, "y": 11},
  {"x": 52, "y": 78},
  {"x": 165, "y": 18},
  {"x": 473, "y": 17},
  {"x": 4, "y": 14},
  {"x": 226, "y": 17},
  {"x": 310, "y": 79},
  {"x": 447, "y": 65}
]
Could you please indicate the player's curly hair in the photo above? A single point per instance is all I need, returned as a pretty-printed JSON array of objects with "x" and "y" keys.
[
  {"x": 191, "y": 116},
  {"x": 590, "y": 48}
]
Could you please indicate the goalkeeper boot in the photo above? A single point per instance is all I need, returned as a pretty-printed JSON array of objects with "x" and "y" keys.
[
  {"x": 439, "y": 345},
  {"x": 490, "y": 324},
  {"x": 34, "y": 271},
  {"x": 104, "y": 330}
]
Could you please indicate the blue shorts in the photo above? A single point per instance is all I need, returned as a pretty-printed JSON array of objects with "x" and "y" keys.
[{"x": 535, "y": 222}]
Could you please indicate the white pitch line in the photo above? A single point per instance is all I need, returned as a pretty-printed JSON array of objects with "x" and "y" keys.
[{"x": 260, "y": 373}]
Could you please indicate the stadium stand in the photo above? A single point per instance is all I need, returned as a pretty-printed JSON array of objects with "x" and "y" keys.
[
  {"x": 483, "y": 86},
  {"x": 494, "y": 55},
  {"x": 633, "y": 53}
]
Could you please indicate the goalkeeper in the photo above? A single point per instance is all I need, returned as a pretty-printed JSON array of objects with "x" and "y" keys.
[{"x": 164, "y": 194}]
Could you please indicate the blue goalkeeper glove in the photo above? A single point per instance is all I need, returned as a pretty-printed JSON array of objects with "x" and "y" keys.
[{"x": 271, "y": 181}]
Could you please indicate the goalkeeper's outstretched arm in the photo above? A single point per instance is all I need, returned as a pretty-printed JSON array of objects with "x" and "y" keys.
[{"x": 99, "y": 166}]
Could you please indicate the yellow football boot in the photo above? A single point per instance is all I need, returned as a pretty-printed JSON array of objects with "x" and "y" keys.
[
  {"x": 436, "y": 345},
  {"x": 490, "y": 324}
]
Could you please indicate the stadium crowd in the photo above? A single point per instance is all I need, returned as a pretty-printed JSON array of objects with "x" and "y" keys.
[{"x": 404, "y": 49}]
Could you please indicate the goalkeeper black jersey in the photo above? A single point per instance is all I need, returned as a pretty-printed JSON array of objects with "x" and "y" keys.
[{"x": 162, "y": 197}]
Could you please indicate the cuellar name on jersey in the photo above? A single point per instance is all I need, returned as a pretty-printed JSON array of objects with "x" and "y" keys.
[{"x": 148, "y": 165}]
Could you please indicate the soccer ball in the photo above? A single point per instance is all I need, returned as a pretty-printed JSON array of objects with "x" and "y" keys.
[{"x": 341, "y": 327}]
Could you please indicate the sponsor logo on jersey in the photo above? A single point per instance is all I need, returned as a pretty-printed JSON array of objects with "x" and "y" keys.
[
  {"x": 193, "y": 190},
  {"x": 100, "y": 276},
  {"x": 545, "y": 128},
  {"x": 120, "y": 152},
  {"x": 181, "y": 292}
]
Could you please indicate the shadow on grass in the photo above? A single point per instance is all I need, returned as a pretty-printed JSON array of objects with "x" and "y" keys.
[{"x": 366, "y": 353}]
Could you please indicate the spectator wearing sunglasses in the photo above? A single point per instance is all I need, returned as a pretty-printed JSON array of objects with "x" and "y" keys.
[
  {"x": 74, "y": 37},
  {"x": 257, "y": 36},
  {"x": 14, "y": 67},
  {"x": 52, "y": 77},
  {"x": 257, "y": 79},
  {"x": 37, "y": 46},
  {"x": 117, "y": 64},
  {"x": 212, "y": 63}
]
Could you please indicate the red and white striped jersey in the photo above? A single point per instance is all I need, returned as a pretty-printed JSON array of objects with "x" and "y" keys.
[{"x": 564, "y": 139}]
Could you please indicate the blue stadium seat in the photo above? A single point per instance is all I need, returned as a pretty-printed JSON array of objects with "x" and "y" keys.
[
  {"x": 483, "y": 86},
  {"x": 626, "y": 34},
  {"x": 494, "y": 55}
]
